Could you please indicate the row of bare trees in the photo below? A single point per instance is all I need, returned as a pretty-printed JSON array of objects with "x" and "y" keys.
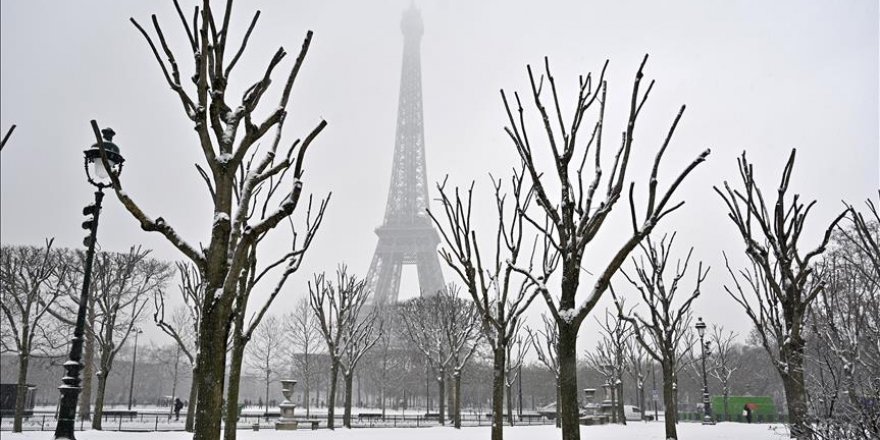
[{"x": 40, "y": 295}]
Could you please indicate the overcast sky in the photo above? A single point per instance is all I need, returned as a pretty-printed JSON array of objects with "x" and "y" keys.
[{"x": 761, "y": 77}]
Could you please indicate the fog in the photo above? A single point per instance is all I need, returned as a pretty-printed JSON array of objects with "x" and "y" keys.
[{"x": 759, "y": 77}]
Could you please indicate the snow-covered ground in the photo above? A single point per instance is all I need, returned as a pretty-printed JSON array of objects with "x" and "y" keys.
[{"x": 634, "y": 431}]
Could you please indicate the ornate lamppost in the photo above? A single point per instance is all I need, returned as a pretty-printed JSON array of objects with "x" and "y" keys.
[
  {"x": 707, "y": 408},
  {"x": 99, "y": 177}
]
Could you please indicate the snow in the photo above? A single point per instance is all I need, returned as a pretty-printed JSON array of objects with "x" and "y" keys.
[
  {"x": 220, "y": 217},
  {"x": 635, "y": 430},
  {"x": 567, "y": 315}
]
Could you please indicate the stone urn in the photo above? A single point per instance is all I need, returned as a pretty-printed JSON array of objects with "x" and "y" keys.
[{"x": 286, "y": 422}]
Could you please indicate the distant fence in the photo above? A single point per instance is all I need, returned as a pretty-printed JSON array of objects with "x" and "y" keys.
[{"x": 161, "y": 422}]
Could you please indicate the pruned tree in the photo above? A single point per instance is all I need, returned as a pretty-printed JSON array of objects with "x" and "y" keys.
[
  {"x": 781, "y": 283},
  {"x": 30, "y": 279},
  {"x": 609, "y": 357},
  {"x": 445, "y": 329},
  {"x": 665, "y": 333},
  {"x": 575, "y": 218},
  {"x": 545, "y": 341},
  {"x": 338, "y": 307},
  {"x": 183, "y": 325},
  {"x": 305, "y": 338},
  {"x": 500, "y": 294},
  {"x": 724, "y": 362},
  {"x": 228, "y": 134},
  {"x": 263, "y": 357}
]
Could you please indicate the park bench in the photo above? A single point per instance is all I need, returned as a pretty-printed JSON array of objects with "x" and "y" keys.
[{"x": 432, "y": 416}]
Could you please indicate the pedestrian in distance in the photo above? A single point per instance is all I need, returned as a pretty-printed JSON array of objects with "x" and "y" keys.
[{"x": 177, "y": 407}]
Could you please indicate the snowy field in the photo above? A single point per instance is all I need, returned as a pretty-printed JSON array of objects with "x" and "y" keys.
[{"x": 634, "y": 431}]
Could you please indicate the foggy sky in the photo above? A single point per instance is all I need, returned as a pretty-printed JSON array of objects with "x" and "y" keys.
[{"x": 758, "y": 76}]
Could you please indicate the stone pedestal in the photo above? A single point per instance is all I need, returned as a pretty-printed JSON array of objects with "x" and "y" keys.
[{"x": 286, "y": 422}]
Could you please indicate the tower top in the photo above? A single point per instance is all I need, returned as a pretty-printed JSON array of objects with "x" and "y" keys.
[{"x": 411, "y": 23}]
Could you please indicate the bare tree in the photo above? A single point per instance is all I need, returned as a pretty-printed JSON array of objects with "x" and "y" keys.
[
  {"x": 782, "y": 278},
  {"x": 227, "y": 135},
  {"x": 30, "y": 278},
  {"x": 264, "y": 356},
  {"x": 500, "y": 294},
  {"x": 610, "y": 359},
  {"x": 303, "y": 331},
  {"x": 576, "y": 217},
  {"x": 724, "y": 362},
  {"x": 183, "y": 326},
  {"x": 338, "y": 307},
  {"x": 845, "y": 319},
  {"x": 445, "y": 328},
  {"x": 867, "y": 236},
  {"x": 388, "y": 363},
  {"x": 360, "y": 336},
  {"x": 124, "y": 283},
  {"x": 665, "y": 333},
  {"x": 546, "y": 344}
]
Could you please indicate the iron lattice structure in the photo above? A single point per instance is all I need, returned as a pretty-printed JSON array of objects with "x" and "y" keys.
[{"x": 407, "y": 235}]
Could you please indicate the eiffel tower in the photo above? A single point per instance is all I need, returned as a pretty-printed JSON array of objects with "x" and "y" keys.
[{"x": 407, "y": 235}]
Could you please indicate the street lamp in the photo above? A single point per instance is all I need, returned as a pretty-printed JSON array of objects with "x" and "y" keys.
[
  {"x": 70, "y": 387},
  {"x": 134, "y": 360},
  {"x": 707, "y": 408}
]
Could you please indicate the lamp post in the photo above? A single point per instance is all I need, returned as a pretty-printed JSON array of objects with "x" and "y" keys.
[
  {"x": 707, "y": 408},
  {"x": 134, "y": 360},
  {"x": 70, "y": 387}
]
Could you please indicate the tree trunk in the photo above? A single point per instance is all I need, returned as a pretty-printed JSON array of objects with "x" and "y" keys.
[
  {"x": 211, "y": 366},
  {"x": 726, "y": 404},
  {"x": 21, "y": 387},
  {"x": 331, "y": 396},
  {"x": 669, "y": 411},
  {"x": 232, "y": 392},
  {"x": 191, "y": 403},
  {"x": 614, "y": 411},
  {"x": 568, "y": 381},
  {"x": 796, "y": 399},
  {"x": 642, "y": 401},
  {"x": 621, "y": 414},
  {"x": 441, "y": 397},
  {"x": 306, "y": 395},
  {"x": 456, "y": 399},
  {"x": 499, "y": 359},
  {"x": 99, "y": 400},
  {"x": 346, "y": 414},
  {"x": 509, "y": 398},
  {"x": 558, "y": 406}
]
